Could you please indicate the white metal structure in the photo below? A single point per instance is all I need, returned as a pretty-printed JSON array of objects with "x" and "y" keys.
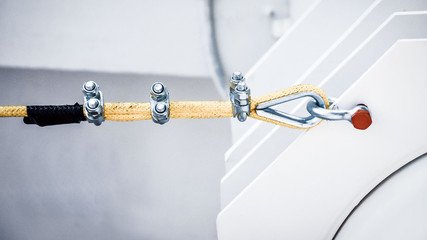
[
  {"x": 279, "y": 186},
  {"x": 393, "y": 29},
  {"x": 311, "y": 188},
  {"x": 397, "y": 204},
  {"x": 336, "y": 66}
]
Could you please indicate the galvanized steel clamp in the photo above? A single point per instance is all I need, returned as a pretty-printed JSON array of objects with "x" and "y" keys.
[
  {"x": 93, "y": 103},
  {"x": 159, "y": 103},
  {"x": 240, "y": 96}
]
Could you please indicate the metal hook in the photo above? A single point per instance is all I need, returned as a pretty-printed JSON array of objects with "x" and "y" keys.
[
  {"x": 359, "y": 116},
  {"x": 264, "y": 109}
]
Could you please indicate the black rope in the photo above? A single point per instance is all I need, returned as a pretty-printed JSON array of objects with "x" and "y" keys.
[{"x": 54, "y": 115}]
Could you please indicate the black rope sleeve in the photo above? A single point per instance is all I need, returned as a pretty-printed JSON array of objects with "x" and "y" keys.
[{"x": 54, "y": 115}]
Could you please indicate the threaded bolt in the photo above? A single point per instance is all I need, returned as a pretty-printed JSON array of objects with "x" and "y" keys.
[
  {"x": 90, "y": 85},
  {"x": 160, "y": 107},
  {"x": 93, "y": 103},
  {"x": 242, "y": 116},
  {"x": 237, "y": 76},
  {"x": 241, "y": 86},
  {"x": 158, "y": 88}
]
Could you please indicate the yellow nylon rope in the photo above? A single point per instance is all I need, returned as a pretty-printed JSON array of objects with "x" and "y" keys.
[
  {"x": 185, "y": 109},
  {"x": 141, "y": 111},
  {"x": 13, "y": 111}
]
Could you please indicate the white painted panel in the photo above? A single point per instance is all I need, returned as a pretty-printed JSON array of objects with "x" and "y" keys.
[
  {"x": 395, "y": 210},
  {"x": 310, "y": 189},
  {"x": 306, "y": 42},
  {"x": 330, "y": 58},
  {"x": 356, "y": 35},
  {"x": 295, "y": 52},
  {"x": 277, "y": 138}
]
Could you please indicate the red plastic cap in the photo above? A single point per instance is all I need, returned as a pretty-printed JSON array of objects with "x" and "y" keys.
[{"x": 361, "y": 119}]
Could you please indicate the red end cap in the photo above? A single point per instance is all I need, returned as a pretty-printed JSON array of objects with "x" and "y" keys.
[{"x": 361, "y": 119}]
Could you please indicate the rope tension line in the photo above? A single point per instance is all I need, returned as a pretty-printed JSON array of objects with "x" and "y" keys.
[{"x": 160, "y": 109}]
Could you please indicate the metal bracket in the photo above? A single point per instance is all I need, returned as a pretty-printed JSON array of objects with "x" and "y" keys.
[
  {"x": 159, "y": 103},
  {"x": 93, "y": 103},
  {"x": 240, "y": 96}
]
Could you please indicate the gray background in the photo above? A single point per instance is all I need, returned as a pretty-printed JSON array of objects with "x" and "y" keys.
[
  {"x": 122, "y": 180},
  {"x": 134, "y": 180}
]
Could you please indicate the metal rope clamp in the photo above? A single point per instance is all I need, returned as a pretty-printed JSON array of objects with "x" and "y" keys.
[
  {"x": 240, "y": 96},
  {"x": 93, "y": 103},
  {"x": 159, "y": 103}
]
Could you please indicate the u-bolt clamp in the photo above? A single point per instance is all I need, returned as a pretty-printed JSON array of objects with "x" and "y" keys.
[
  {"x": 159, "y": 103},
  {"x": 240, "y": 96},
  {"x": 93, "y": 103}
]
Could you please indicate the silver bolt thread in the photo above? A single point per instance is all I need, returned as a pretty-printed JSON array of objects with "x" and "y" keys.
[
  {"x": 90, "y": 85},
  {"x": 237, "y": 76},
  {"x": 90, "y": 89},
  {"x": 158, "y": 91},
  {"x": 160, "y": 107},
  {"x": 93, "y": 103},
  {"x": 241, "y": 86},
  {"x": 158, "y": 88},
  {"x": 242, "y": 116}
]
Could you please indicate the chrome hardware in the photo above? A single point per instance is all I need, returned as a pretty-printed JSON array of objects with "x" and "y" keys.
[
  {"x": 265, "y": 109},
  {"x": 359, "y": 116},
  {"x": 93, "y": 103},
  {"x": 159, "y": 103},
  {"x": 240, "y": 96}
]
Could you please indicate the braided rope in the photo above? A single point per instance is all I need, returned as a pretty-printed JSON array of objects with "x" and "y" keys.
[
  {"x": 141, "y": 111},
  {"x": 13, "y": 111},
  {"x": 127, "y": 111},
  {"x": 202, "y": 109},
  {"x": 212, "y": 109}
]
